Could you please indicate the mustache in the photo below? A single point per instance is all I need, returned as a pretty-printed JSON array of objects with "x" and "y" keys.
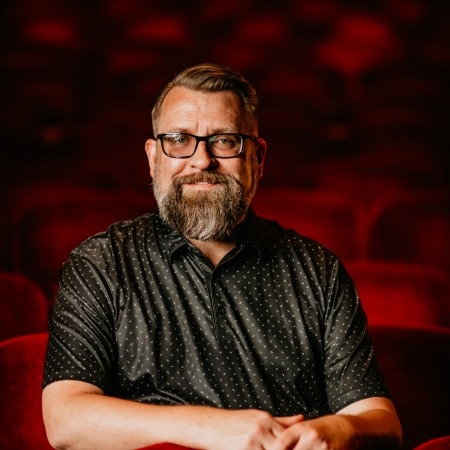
[{"x": 203, "y": 177}]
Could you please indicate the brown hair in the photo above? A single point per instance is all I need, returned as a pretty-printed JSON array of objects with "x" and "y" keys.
[{"x": 208, "y": 77}]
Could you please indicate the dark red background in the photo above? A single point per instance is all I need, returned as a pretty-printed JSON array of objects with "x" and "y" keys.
[{"x": 354, "y": 106}]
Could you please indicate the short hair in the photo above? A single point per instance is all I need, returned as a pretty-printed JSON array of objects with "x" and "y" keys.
[{"x": 209, "y": 77}]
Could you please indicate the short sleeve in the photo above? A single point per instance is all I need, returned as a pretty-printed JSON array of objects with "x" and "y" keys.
[
  {"x": 81, "y": 341},
  {"x": 351, "y": 371}
]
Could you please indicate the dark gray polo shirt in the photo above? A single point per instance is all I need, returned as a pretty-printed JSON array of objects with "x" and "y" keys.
[{"x": 277, "y": 325}]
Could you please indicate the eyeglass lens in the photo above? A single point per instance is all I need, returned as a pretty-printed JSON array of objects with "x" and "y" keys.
[{"x": 184, "y": 145}]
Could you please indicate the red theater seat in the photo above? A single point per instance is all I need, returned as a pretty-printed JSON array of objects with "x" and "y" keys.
[
  {"x": 54, "y": 221},
  {"x": 402, "y": 293},
  {"x": 413, "y": 228},
  {"x": 416, "y": 369},
  {"x": 23, "y": 306},
  {"x": 21, "y": 371},
  {"x": 327, "y": 217},
  {"x": 385, "y": 167},
  {"x": 442, "y": 443}
]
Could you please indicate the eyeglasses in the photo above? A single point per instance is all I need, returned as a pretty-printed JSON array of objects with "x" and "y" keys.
[{"x": 184, "y": 145}]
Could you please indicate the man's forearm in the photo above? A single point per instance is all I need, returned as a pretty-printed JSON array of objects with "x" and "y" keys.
[
  {"x": 375, "y": 424},
  {"x": 377, "y": 429},
  {"x": 95, "y": 421},
  {"x": 370, "y": 424},
  {"x": 86, "y": 419},
  {"x": 79, "y": 416}
]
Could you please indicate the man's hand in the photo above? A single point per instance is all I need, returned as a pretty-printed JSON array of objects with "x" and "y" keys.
[
  {"x": 369, "y": 424},
  {"x": 245, "y": 429},
  {"x": 325, "y": 433}
]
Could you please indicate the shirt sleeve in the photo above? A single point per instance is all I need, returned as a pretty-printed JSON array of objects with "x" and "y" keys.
[
  {"x": 351, "y": 371},
  {"x": 81, "y": 341}
]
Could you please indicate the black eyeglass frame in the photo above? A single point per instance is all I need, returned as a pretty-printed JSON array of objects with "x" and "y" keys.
[{"x": 206, "y": 139}]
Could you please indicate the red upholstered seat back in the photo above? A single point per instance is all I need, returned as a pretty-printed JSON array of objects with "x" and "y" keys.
[
  {"x": 442, "y": 443},
  {"x": 394, "y": 293},
  {"x": 21, "y": 370},
  {"x": 53, "y": 222},
  {"x": 23, "y": 306},
  {"x": 413, "y": 228},
  {"x": 330, "y": 218},
  {"x": 416, "y": 366}
]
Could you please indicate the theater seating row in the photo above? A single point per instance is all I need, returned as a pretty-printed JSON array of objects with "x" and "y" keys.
[
  {"x": 410, "y": 226},
  {"x": 413, "y": 361},
  {"x": 24, "y": 307},
  {"x": 43, "y": 223}
]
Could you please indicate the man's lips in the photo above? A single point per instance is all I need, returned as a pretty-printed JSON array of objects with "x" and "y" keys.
[
  {"x": 202, "y": 184},
  {"x": 203, "y": 179}
]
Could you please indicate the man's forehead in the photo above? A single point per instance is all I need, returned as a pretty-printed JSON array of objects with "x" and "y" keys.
[
  {"x": 182, "y": 93},
  {"x": 190, "y": 105},
  {"x": 222, "y": 110}
]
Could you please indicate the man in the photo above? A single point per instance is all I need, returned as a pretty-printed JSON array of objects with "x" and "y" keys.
[{"x": 204, "y": 325}]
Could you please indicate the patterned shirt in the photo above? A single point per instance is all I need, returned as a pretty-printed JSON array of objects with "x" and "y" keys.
[{"x": 276, "y": 325}]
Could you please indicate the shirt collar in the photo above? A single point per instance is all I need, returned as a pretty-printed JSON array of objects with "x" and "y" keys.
[
  {"x": 254, "y": 235},
  {"x": 169, "y": 239}
]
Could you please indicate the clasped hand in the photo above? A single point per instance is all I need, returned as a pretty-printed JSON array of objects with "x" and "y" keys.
[{"x": 259, "y": 430}]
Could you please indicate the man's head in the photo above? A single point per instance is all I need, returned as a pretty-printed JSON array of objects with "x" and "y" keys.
[
  {"x": 212, "y": 78},
  {"x": 206, "y": 159}
]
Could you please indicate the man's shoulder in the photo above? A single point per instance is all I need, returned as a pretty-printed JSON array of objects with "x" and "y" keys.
[{"x": 125, "y": 233}]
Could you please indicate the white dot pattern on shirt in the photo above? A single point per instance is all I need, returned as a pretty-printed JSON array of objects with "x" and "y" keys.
[{"x": 281, "y": 330}]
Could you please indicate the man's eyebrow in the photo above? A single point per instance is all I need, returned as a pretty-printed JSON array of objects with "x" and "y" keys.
[
  {"x": 224, "y": 130},
  {"x": 214, "y": 131},
  {"x": 178, "y": 130}
]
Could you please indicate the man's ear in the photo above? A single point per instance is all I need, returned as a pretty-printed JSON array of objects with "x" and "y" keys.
[
  {"x": 261, "y": 150},
  {"x": 150, "y": 150}
]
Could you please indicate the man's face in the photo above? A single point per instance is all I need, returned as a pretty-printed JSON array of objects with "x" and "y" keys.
[{"x": 199, "y": 113}]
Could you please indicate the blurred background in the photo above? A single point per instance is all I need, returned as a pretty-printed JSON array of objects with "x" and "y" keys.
[{"x": 354, "y": 107}]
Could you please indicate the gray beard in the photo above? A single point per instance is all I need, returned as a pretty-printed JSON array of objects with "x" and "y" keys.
[{"x": 203, "y": 216}]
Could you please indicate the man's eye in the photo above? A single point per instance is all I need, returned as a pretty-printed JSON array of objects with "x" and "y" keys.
[
  {"x": 176, "y": 140},
  {"x": 225, "y": 141}
]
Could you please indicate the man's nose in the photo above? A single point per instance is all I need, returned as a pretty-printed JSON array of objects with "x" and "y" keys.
[{"x": 202, "y": 158}]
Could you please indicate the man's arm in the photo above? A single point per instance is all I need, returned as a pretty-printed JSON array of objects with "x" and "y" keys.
[
  {"x": 369, "y": 424},
  {"x": 78, "y": 415}
]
